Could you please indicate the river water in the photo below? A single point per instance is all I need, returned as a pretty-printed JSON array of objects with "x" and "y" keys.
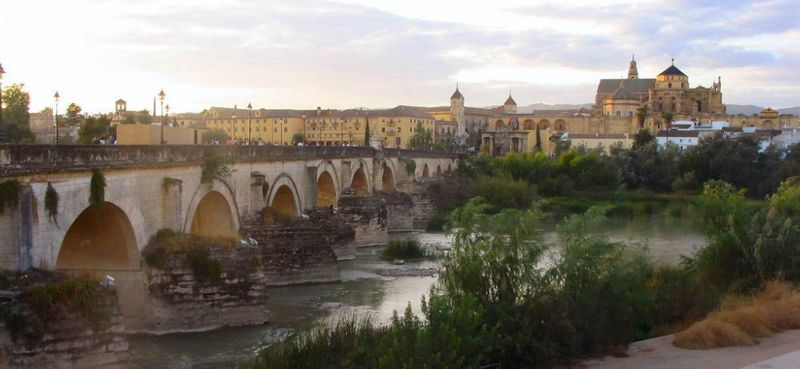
[{"x": 369, "y": 287}]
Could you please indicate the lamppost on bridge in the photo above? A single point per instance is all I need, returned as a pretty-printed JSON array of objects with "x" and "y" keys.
[
  {"x": 233, "y": 123},
  {"x": 168, "y": 123},
  {"x": 304, "y": 128},
  {"x": 56, "y": 97},
  {"x": 2, "y": 127},
  {"x": 249, "y": 122},
  {"x": 162, "y": 96}
]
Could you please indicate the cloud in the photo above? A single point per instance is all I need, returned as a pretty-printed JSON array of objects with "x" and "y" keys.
[{"x": 344, "y": 53}]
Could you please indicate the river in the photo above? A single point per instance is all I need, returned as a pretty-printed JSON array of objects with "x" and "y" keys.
[{"x": 369, "y": 287}]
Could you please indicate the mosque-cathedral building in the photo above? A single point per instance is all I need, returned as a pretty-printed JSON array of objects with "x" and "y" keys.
[{"x": 613, "y": 116}]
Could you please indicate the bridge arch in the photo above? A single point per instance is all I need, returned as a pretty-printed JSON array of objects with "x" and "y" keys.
[
  {"x": 449, "y": 168},
  {"x": 284, "y": 198},
  {"x": 213, "y": 217},
  {"x": 100, "y": 238},
  {"x": 326, "y": 190},
  {"x": 387, "y": 179},
  {"x": 359, "y": 182},
  {"x": 438, "y": 170},
  {"x": 212, "y": 211},
  {"x": 425, "y": 172},
  {"x": 561, "y": 125},
  {"x": 327, "y": 185}
]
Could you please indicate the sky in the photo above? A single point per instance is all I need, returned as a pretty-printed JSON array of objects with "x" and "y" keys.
[{"x": 377, "y": 53}]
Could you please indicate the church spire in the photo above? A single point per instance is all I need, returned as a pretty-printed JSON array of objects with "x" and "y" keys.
[{"x": 633, "y": 72}]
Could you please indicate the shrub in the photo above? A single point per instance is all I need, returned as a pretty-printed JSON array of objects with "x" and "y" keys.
[
  {"x": 203, "y": 267},
  {"x": 97, "y": 188},
  {"x": 215, "y": 166},
  {"x": 403, "y": 250},
  {"x": 51, "y": 203},
  {"x": 503, "y": 192},
  {"x": 80, "y": 293},
  {"x": 9, "y": 194}
]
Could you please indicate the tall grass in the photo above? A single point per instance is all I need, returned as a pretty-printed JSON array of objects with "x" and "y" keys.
[{"x": 741, "y": 321}]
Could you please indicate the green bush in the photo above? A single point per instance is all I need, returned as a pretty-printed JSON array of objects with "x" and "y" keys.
[
  {"x": 9, "y": 194},
  {"x": 204, "y": 268},
  {"x": 97, "y": 188},
  {"x": 749, "y": 243},
  {"x": 80, "y": 293},
  {"x": 216, "y": 165},
  {"x": 403, "y": 250},
  {"x": 503, "y": 192},
  {"x": 51, "y": 202}
]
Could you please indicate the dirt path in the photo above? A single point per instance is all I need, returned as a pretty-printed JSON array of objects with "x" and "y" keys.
[{"x": 659, "y": 353}]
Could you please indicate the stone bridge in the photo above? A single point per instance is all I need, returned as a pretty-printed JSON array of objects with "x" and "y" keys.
[{"x": 149, "y": 188}]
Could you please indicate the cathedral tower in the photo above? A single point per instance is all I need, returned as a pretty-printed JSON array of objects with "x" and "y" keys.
[
  {"x": 457, "y": 109},
  {"x": 633, "y": 73},
  {"x": 510, "y": 106}
]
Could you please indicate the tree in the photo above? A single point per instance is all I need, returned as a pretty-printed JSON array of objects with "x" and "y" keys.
[
  {"x": 73, "y": 114},
  {"x": 93, "y": 128},
  {"x": 366, "y": 135},
  {"x": 642, "y": 138},
  {"x": 538, "y": 138},
  {"x": 298, "y": 138},
  {"x": 144, "y": 117},
  {"x": 641, "y": 115},
  {"x": 667, "y": 117},
  {"x": 16, "y": 116},
  {"x": 421, "y": 140},
  {"x": 214, "y": 135}
]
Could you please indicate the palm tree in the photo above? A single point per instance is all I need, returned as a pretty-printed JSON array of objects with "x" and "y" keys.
[
  {"x": 641, "y": 115},
  {"x": 667, "y": 117}
]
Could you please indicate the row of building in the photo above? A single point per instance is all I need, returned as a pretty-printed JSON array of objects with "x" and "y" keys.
[{"x": 500, "y": 129}]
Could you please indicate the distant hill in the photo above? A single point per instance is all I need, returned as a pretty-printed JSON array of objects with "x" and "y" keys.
[
  {"x": 795, "y": 110},
  {"x": 734, "y": 109},
  {"x": 527, "y": 109}
]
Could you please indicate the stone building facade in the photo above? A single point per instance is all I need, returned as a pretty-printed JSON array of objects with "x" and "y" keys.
[{"x": 669, "y": 91}]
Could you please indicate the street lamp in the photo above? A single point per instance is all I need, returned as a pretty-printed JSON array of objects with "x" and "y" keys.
[
  {"x": 249, "y": 122},
  {"x": 233, "y": 123},
  {"x": 162, "y": 96},
  {"x": 2, "y": 128},
  {"x": 56, "y": 97},
  {"x": 304, "y": 129},
  {"x": 167, "y": 107}
]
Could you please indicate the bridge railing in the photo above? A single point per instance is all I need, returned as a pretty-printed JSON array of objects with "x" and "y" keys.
[{"x": 28, "y": 159}]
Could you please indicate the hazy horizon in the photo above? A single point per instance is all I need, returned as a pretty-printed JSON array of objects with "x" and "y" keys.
[{"x": 348, "y": 53}]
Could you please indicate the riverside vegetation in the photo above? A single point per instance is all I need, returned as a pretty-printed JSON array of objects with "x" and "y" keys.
[{"x": 504, "y": 296}]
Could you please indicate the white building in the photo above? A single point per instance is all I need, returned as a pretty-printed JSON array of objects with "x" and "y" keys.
[{"x": 681, "y": 139}]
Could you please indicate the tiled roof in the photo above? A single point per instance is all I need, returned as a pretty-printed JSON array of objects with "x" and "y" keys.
[
  {"x": 672, "y": 133},
  {"x": 672, "y": 71},
  {"x": 633, "y": 86}
]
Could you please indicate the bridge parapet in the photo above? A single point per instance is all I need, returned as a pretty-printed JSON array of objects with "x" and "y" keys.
[
  {"x": 18, "y": 160},
  {"x": 412, "y": 154}
]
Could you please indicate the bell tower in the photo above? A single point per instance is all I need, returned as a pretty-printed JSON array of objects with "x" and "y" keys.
[
  {"x": 633, "y": 72},
  {"x": 457, "y": 109}
]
